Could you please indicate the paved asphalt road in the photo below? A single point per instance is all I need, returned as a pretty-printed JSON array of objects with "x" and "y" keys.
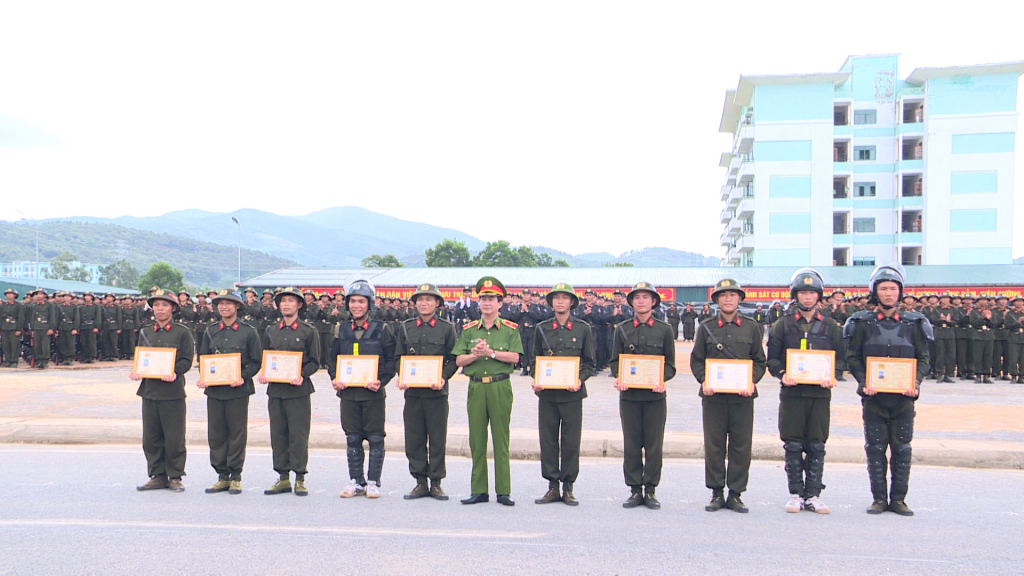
[{"x": 74, "y": 510}]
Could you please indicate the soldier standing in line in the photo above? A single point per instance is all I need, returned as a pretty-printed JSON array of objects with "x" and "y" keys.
[
  {"x": 426, "y": 409},
  {"x": 945, "y": 318},
  {"x": 227, "y": 407},
  {"x": 12, "y": 322},
  {"x": 983, "y": 324},
  {"x": 643, "y": 412},
  {"x": 42, "y": 321},
  {"x": 689, "y": 319},
  {"x": 68, "y": 322},
  {"x": 111, "y": 327},
  {"x": 251, "y": 310},
  {"x": 130, "y": 324},
  {"x": 288, "y": 403},
  {"x": 999, "y": 355},
  {"x": 324, "y": 327},
  {"x": 363, "y": 407},
  {"x": 560, "y": 412},
  {"x": 618, "y": 312},
  {"x": 163, "y": 400},
  {"x": 672, "y": 317},
  {"x": 204, "y": 318},
  {"x": 145, "y": 313},
  {"x": 964, "y": 360},
  {"x": 728, "y": 418},
  {"x": 487, "y": 351},
  {"x": 1013, "y": 321}
]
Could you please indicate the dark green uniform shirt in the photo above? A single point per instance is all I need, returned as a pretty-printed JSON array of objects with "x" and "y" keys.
[
  {"x": 502, "y": 337},
  {"x": 574, "y": 339},
  {"x": 230, "y": 339},
  {"x": 982, "y": 328},
  {"x": 12, "y": 316},
  {"x": 111, "y": 317},
  {"x": 433, "y": 338},
  {"x": 944, "y": 329},
  {"x": 295, "y": 337},
  {"x": 67, "y": 317},
  {"x": 42, "y": 317},
  {"x": 171, "y": 335},
  {"x": 652, "y": 338},
  {"x": 741, "y": 338}
]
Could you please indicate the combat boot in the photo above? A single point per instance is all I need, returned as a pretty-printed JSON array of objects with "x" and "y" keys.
[
  {"x": 158, "y": 482},
  {"x": 877, "y": 507},
  {"x": 635, "y": 499},
  {"x": 175, "y": 485},
  {"x": 567, "y": 496},
  {"x": 900, "y": 507},
  {"x": 1005, "y": 376},
  {"x": 235, "y": 487},
  {"x": 282, "y": 486},
  {"x": 735, "y": 504},
  {"x": 650, "y": 501},
  {"x": 221, "y": 485},
  {"x": 552, "y": 495},
  {"x": 419, "y": 491},
  {"x": 717, "y": 502},
  {"x": 945, "y": 380},
  {"x": 300, "y": 487},
  {"x": 985, "y": 379},
  {"x": 436, "y": 492}
]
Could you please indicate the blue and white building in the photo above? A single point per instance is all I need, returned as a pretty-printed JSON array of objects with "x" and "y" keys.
[{"x": 859, "y": 167}]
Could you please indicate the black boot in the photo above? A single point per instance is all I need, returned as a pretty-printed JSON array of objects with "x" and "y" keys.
[
  {"x": 635, "y": 499},
  {"x": 794, "y": 455},
  {"x": 986, "y": 380},
  {"x": 717, "y": 501},
  {"x": 649, "y": 499}
]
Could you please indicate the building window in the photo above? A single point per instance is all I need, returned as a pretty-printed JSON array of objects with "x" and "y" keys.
[
  {"x": 864, "y": 261},
  {"x": 864, "y": 189},
  {"x": 865, "y": 117},
  {"x": 864, "y": 153},
  {"x": 864, "y": 225}
]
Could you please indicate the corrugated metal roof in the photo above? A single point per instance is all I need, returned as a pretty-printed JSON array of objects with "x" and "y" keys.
[
  {"x": 24, "y": 284},
  {"x": 841, "y": 276}
]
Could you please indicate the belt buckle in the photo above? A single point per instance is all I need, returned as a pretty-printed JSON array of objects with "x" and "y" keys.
[{"x": 486, "y": 380}]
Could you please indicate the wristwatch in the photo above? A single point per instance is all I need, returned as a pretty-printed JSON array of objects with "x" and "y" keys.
[{"x": 493, "y": 354}]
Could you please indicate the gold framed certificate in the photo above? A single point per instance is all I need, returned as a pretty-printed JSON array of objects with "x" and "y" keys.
[
  {"x": 220, "y": 369},
  {"x": 418, "y": 371},
  {"x": 356, "y": 371},
  {"x": 556, "y": 372},
  {"x": 154, "y": 362},
  {"x": 811, "y": 366},
  {"x": 641, "y": 371},
  {"x": 726, "y": 376},
  {"x": 895, "y": 375},
  {"x": 281, "y": 366}
]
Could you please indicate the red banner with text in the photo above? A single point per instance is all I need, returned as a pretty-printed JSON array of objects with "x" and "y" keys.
[{"x": 768, "y": 294}]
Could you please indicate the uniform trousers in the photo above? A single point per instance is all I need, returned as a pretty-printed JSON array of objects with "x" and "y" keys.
[
  {"x": 728, "y": 430},
  {"x": 981, "y": 351},
  {"x": 490, "y": 404},
  {"x": 163, "y": 437},
  {"x": 643, "y": 437},
  {"x": 426, "y": 436},
  {"x": 227, "y": 430},
  {"x": 560, "y": 426},
  {"x": 110, "y": 344},
  {"x": 945, "y": 356},
  {"x": 41, "y": 346},
  {"x": 12, "y": 346},
  {"x": 289, "y": 433},
  {"x": 88, "y": 344}
]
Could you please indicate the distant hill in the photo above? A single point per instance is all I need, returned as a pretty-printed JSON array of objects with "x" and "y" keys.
[
  {"x": 204, "y": 264},
  {"x": 667, "y": 257}
]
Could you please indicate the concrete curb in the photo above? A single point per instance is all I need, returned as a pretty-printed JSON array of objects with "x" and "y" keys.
[{"x": 523, "y": 443}]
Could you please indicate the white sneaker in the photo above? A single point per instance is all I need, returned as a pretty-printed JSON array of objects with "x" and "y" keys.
[
  {"x": 353, "y": 489},
  {"x": 372, "y": 491},
  {"x": 814, "y": 504},
  {"x": 795, "y": 504}
]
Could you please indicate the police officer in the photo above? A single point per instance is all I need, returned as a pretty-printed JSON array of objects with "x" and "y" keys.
[
  {"x": 963, "y": 338},
  {"x": 204, "y": 318},
  {"x": 426, "y": 409},
  {"x": 643, "y": 412},
  {"x": 1013, "y": 321},
  {"x": 618, "y": 311},
  {"x": 90, "y": 320},
  {"x": 12, "y": 321},
  {"x": 324, "y": 327},
  {"x": 983, "y": 324},
  {"x": 944, "y": 318},
  {"x": 163, "y": 400},
  {"x": 1000, "y": 361},
  {"x": 888, "y": 417},
  {"x": 689, "y": 320},
  {"x": 672, "y": 317},
  {"x": 42, "y": 320},
  {"x": 804, "y": 406},
  {"x": 227, "y": 407},
  {"x": 487, "y": 351},
  {"x": 528, "y": 330},
  {"x": 728, "y": 418},
  {"x": 560, "y": 412},
  {"x": 466, "y": 310},
  {"x": 67, "y": 329},
  {"x": 130, "y": 324},
  {"x": 289, "y": 402},
  {"x": 111, "y": 327},
  {"x": 363, "y": 407}
]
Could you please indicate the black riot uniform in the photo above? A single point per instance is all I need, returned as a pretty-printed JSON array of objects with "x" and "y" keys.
[
  {"x": 888, "y": 417},
  {"x": 945, "y": 319}
]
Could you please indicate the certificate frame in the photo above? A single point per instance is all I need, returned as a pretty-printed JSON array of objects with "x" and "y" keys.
[
  {"x": 793, "y": 359},
  {"x": 547, "y": 371},
  {"x": 364, "y": 364},
  {"x": 636, "y": 378},
  {"x": 711, "y": 365},
  {"x": 271, "y": 356},
  {"x": 211, "y": 376},
  {"x": 877, "y": 364},
  {"x": 149, "y": 359},
  {"x": 418, "y": 376}
]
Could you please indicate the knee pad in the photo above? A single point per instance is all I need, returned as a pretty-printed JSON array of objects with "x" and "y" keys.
[
  {"x": 874, "y": 449},
  {"x": 816, "y": 449},
  {"x": 355, "y": 444},
  {"x": 904, "y": 431},
  {"x": 376, "y": 442},
  {"x": 793, "y": 447},
  {"x": 901, "y": 452}
]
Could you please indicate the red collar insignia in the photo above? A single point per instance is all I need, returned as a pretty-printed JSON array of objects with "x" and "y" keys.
[
  {"x": 233, "y": 326},
  {"x": 420, "y": 321},
  {"x": 156, "y": 327},
  {"x": 294, "y": 326},
  {"x": 720, "y": 323},
  {"x": 650, "y": 322}
]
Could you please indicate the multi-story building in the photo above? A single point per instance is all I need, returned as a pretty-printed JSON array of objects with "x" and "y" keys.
[
  {"x": 28, "y": 269},
  {"x": 858, "y": 167}
]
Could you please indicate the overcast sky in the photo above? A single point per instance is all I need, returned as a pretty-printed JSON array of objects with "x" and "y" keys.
[{"x": 582, "y": 126}]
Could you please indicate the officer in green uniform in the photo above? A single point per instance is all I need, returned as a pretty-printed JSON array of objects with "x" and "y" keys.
[
  {"x": 983, "y": 324},
  {"x": 204, "y": 318},
  {"x": 426, "y": 409},
  {"x": 487, "y": 350},
  {"x": 90, "y": 320},
  {"x": 289, "y": 402},
  {"x": 560, "y": 411},
  {"x": 804, "y": 406},
  {"x": 324, "y": 327},
  {"x": 163, "y": 400},
  {"x": 643, "y": 411},
  {"x": 945, "y": 318},
  {"x": 42, "y": 320},
  {"x": 12, "y": 321},
  {"x": 963, "y": 338},
  {"x": 131, "y": 322},
  {"x": 1000, "y": 362},
  {"x": 728, "y": 418},
  {"x": 1013, "y": 321},
  {"x": 111, "y": 327},
  {"x": 252, "y": 312},
  {"x": 67, "y": 328},
  {"x": 227, "y": 407}
]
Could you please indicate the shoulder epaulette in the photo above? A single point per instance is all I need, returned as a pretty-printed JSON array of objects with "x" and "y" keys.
[
  {"x": 439, "y": 319},
  {"x": 510, "y": 324},
  {"x": 471, "y": 324}
]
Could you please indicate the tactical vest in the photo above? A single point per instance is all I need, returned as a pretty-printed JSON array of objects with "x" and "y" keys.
[
  {"x": 889, "y": 337},
  {"x": 369, "y": 345},
  {"x": 817, "y": 337}
]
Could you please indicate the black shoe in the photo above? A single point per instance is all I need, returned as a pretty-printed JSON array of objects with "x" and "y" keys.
[
  {"x": 877, "y": 507},
  {"x": 986, "y": 380},
  {"x": 900, "y": 507},
  {"x": 635, "y": 499},
  {"x": 1005, "y": 377},
  {"x": 650, "y": 501},
  {"x": 945, "y": 380},
  {"x": 505, "y": 500},
  {"x": 841, "y": 379},
  {"x": 476, "y": 499},
  {"x": 717, "y": 502},
  {"x": 552, "y": 495},
  {"x": 419, "y": 491},
  {"x": 735, "y": 504}
]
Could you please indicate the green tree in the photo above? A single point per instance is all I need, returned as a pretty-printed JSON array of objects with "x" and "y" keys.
[
  {"x": 447, "y": 254},
  {"x": 120, "y": 273},
  {"x": 497, "y": 253},
  {"x": 617, "y": 264},
  {"x": 385, "y": 261},
  {"x": 163, "y": 275},
  {"x": 61, "y": 268},
  {"x": 544, "y": 260},
  {"x": 560, "y": 263}
]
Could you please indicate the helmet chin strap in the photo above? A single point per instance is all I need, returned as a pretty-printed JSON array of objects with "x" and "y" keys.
[{"x": 804, "y": 308}]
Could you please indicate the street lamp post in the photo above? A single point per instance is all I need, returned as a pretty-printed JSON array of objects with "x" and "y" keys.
[
  {"x": 36, "y": 263},
  {"x": 235, "y": 220}
]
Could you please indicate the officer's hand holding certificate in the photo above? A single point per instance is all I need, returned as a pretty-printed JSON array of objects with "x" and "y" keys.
[{"x": 817, "y": 367}]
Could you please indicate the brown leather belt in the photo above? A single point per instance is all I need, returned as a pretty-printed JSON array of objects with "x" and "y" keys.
[{"x": 489, "y": 379}]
